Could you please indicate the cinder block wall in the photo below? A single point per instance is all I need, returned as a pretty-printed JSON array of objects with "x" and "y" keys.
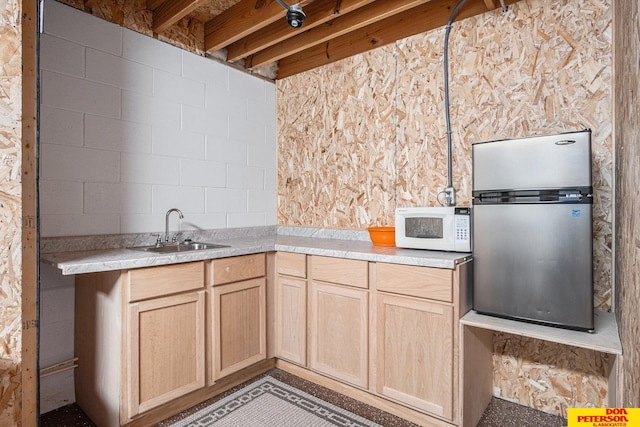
[{"x": 132, "y": 126}]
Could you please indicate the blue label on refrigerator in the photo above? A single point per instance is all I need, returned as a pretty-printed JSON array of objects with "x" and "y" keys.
[{"x": 575, "y": 212}]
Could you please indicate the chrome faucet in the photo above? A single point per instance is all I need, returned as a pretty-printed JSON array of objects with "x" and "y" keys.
[{"x": 166, "y": 228}]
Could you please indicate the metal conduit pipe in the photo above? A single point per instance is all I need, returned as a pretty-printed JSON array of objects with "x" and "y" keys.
[{"x": 449, "y": 192}]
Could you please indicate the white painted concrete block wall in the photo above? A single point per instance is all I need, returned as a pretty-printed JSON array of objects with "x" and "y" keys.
[
  {"x": 130, "y": 127},
  {"x": 56, "y": 337}
]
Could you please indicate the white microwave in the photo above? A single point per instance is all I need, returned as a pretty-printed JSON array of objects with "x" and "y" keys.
[{"x": 434, "y": 228}]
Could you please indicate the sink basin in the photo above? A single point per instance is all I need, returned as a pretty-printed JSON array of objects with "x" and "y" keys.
[{"x": 179, "y": 247}]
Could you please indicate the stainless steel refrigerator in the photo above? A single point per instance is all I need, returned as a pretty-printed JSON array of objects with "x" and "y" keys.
[{"x": 532, "y": 229}]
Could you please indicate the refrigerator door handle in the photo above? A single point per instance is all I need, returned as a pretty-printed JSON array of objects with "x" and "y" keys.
[
  {"x": 565, "y": 142},
  {"x": 569, "y": 195}
]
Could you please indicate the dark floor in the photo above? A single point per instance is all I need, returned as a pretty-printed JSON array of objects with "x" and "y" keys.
[{"x": 499, "y": 413}]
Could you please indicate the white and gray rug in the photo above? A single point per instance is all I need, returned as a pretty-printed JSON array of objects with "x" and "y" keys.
[{"x": 271, "y": 403}]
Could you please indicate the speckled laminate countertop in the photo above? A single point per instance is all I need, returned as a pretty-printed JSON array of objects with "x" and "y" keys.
[{"x": 91, "y": 254}]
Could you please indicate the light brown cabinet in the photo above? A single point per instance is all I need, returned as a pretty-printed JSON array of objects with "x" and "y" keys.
[
  {"x": 414, "y": 335},
  {"x": 422, "y": 282},
  {"x": 339, "y": 319},
  {"x": 165, "y": 350},
  {"x": 164, "y": 335},
  {"x": 382, "y": 333},
  {"x": 237, "y": 315},
  {"x": 414, "y": 353},
  {"x": 389, "y": 329},
  {"x": 291, "y": 307},
  {"x": 140, "y": 337}
]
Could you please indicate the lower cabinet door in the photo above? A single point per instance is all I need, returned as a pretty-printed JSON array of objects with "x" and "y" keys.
[
  {"x": 291, "y": 319},
  {"x": 414, "y": 353},
  {"x": 338, "y": 337},
  {"x": 239, "y": 326},
  {"x": 166, "y": 344}
]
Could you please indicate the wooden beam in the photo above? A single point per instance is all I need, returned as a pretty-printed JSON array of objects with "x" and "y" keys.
[
  {"x": 491, "y": 4},
  {"x": 414, "y": 21},
  {"x": 171, "y": 11},
  {"x": 30, "y": 241},
  {"x": 240, "y": 20},
  {"x": 154, "y": 4},
  {"x": 317, "y": 13},
  {"x": 360, "y": 18}
]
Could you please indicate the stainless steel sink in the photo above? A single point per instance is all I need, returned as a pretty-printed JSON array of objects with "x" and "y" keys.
[{"x": 179, "y": 247}]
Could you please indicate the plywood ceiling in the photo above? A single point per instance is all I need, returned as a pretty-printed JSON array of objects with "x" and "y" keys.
[{"x": 255, "y": 33}]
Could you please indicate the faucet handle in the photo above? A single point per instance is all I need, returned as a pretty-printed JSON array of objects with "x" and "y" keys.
[{"x": 158, "y": 239}]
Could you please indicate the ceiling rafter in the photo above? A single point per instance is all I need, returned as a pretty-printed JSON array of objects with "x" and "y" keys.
[
  {"x": 318, "y": 13},
  {"x": 425, "y": 17},
  {"x": 171, "y": 11},
  {"x": 491, "y": 4},
  {"x": 154, "y": 4},
  {"x": 240, "y": 20},
  {"x": 345, "y": 24},
  {"x": 254, "y": 33}
]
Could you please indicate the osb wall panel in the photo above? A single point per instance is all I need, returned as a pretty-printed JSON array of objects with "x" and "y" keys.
[
  {"x": 10, "y": 211},
  {"x": 543, "y": 67},
  {"x": 336, "y": 141},
  {"x": 546, "y": 378},
  {"x": 208, "y": 10},
  {"x": 549, "y": 72},
  {"x": 540, "y": 68},
  {"x": 627, "y": 131}
]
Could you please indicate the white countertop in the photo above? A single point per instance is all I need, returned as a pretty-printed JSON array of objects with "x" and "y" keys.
[
  {"x": 97, "y": 260},
  {"x": 605, "y": 338}
]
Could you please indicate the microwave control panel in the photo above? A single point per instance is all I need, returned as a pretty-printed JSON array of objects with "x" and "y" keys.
[
  {"x": 462, "y": 225},
  {"x": 462, "y": 228}
]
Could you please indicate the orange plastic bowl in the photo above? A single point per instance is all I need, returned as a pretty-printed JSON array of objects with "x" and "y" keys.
[{"x": 383, "y": 236}]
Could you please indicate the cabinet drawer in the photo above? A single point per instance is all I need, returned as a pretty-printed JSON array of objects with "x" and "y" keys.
[
  {"x": 153, "y": 282},
  {"x": 422, "y": 282},
  {"x": 235, "y": 269},
  {"x": 341, "y": 271},
  {"x": 291, "y": 264}
]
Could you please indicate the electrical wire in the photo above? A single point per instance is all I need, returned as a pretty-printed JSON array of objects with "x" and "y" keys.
[
  {"x": 446, "y": 93},
  {"x": 283, "y": 4}
]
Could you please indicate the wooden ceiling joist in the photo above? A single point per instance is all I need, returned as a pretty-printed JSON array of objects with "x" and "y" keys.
[
  {"x": 425, "y": 17},
  {"x": 171, "y": 11},
  {"x": 348, "y": 23},
  {"x": 154, "y": 4},
  {"x": 240, "y": 20},
  {"x": 255, "y": 34},
  {"x": 491, "y": 4},
  {"x": 318, "y": 13}
]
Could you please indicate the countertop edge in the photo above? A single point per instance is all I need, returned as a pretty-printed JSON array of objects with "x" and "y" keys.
[
  {"x": 101, "y": 260},
  {"x": 605, "y": 338}
]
